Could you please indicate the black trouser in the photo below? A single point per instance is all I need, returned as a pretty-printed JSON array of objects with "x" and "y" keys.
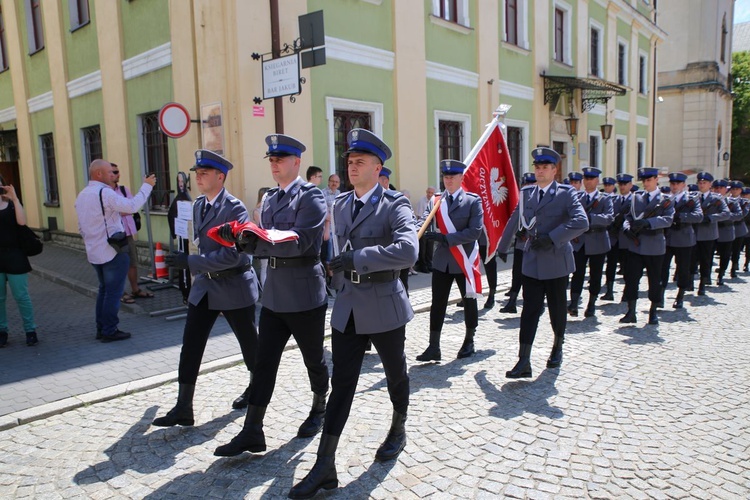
[
  {"x": 704, "y": 251},
  {"x": 534, "y": 292},
  {"x": 425, "y": 253},
  {"x": 200, "y": 320},
  {"x": 441, "y": 289},
  {"x": 517, "y": 276},
  {"x": 737, "y": 245},
  {"x": 596, "y": 267},
  {"x": 724, "y": 249},
  {"x": 682, "y": 256},
  {"x": 613, "y": 256},
  {"x": 308, "y": 329},
  {"x": 348, "y": 351},
  {"x": 634, "y": 273},
  {"x": 746, "y": 244},
  {"x": 490, "y": 269},
  {"x": 403, "y": 275}
]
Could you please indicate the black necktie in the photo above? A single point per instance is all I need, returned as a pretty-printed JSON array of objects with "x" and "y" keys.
[
  {"x": 648, "y": 198},
  {"x": 450, "y": 200},
  {"x": 206, "y": 208},
  {"x": 541, "y": 194},
  {"x": 281, "y": 194},
  {"x": 358, "y": 204},
  {"x": 588, "y": 199}
]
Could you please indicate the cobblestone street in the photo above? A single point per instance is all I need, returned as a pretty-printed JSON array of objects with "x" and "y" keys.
[{"x": 635, "y": 411}]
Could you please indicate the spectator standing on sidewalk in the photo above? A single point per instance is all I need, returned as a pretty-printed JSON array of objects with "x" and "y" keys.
[
  {"x": 131, "y": 232},
  {"x": 98, "y": 208},
  {"x": 14, "y": 265}
]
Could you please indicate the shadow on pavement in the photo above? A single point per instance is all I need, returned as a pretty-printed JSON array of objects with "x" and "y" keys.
[
  {"x": 515, "y": 398},
  {"x": 148, "y": 453},
  {"x": 640, "y": 333},
  {"x": 367, "y": 482},
  {"x": 437, "y": 375}
]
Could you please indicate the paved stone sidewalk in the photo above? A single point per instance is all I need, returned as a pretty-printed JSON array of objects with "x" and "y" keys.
[{"x": 635, "y": 412}]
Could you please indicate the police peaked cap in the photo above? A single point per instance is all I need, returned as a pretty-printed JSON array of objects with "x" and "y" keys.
[
  {"x": 624, "y": 178},
  {"x": 609, "y": 181},
  {"x": 646, "y": 172},
  {"x": 545, "y": 155},
  {"x": 284, "y": 145},
  {"x": 385, "y": 172},
  {"x": 363, "y": 141},
  {"x": 452, "y": 167},
  {"x": 591, "y": 172},
  {"x": 575, "y": 176},
  {"x": 208, "y": 159},
  {"x": 677, "y": 177},
  {"x": 705, "y": 176}
]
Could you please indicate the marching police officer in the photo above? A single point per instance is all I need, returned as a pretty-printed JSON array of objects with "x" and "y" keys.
[
  {"x": 609, "y": 185},
  {"x": 576, "y": 180},
  {"x": 650, "y": 213},
  {"x": 740, "y": 228},
  {"x": 459, "y": 224},
  {"x": 726, "y": 228},
  {"x": 294, "y": 294},
  {"x": 714, "y": 210},
  {"x": 224, "y": 282},
  {"x": 680, "y": 237},
  {"x": 746, "y": 244},
  {"x": 511, "y": 232},
  {"x": 549, "y": 216},
  {"x": 618, "y": 243},
  {"x": 375, "y": 237},
  {"x": 592, "y": 246}
]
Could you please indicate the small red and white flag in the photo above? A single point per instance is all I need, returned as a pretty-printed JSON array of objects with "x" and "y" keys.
[{"x": 489, "y": 174}]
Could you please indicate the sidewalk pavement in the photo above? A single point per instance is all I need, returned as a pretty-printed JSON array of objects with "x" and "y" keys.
[
  {"x": 68, "y": 368},
  {"x": 634, "y": 412}
]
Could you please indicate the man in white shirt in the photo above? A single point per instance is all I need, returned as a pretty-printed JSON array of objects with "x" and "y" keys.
[{"x": 98, "y": 208}]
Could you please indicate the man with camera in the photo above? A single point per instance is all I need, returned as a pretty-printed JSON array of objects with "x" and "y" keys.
[{"x": 100, "y": 224}]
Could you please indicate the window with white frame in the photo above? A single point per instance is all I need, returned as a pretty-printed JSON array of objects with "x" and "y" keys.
[
  {"x": 517, "y": 140},
  {"x": 515, "y": 21},
  {"x": 594, "y": 150},
  {"x": 641, "y": 153},
  {"x": 620, "y": 154},
  {"x": 455, "y": 11},
  {"x": 596, "y": 51},
  {"x": 562, "y": 31},
  {"x": 49, "y": 167},
  {"x": 79, "y": 13},
  {"x": 155, "y": 155},
  {"x": 642, "y": 72},
  {"x": 34, "y": 29},
  {"x": 91, "y": 142},
  {"x": 452, "y": 138},
  {"x": 622, "y": 62}
]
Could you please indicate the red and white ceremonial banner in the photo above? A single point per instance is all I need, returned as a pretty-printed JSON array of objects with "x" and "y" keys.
[
  {"x": 469, "y": 264},
  {"x": 489, "y": 174}
]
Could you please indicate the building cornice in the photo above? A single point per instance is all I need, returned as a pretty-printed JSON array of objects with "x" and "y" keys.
[
  {"x": 7, "y": 114},
  {"x": 356, "y": 53},
  {"x": 449, "y": 74},
  {"x": 146, "y": 62},
  {"x": 85, "y": 84},
  {"x": 516, "y": 90},
  {"x": 40, "y": 102}
]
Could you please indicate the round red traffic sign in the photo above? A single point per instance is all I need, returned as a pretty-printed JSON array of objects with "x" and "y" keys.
[{"x": 174, "y": 120}]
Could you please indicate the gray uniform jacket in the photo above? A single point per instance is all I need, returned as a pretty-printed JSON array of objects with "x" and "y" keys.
[
  {"x": 561, "y": 216},
  {"x": 687, "y": 212},
  {"x": 383, "y": 238},
  {"x": 715, "y": 208},
  {"x": 466, "y": 214},
  {"x": 601, "y": 214},
  {"x": 302, "y": 210},
  {"x": 231, "y": 292},
  {"x": 624, "y": 209},
  {"x": 738, "y": 210},
  {"x": 659, "y": 212},
  {"x": 738, "y": 230},
  {"x": 726, "y": 227}
]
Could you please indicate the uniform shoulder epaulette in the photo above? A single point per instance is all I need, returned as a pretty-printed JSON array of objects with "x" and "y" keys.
[
  {"x": 343, "y": 195},
  {"x": 529, "y": 187},
  {"x": 565, "y": 187},
  {"x": 390, "y": 193},
  {"x": 307, "y": 186},
  {"x": 272, "y": 190},
  {"x": 475, "y": 195}
]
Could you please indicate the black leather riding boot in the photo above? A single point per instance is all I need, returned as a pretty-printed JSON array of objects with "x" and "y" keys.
[
  {"x": 591, "y": 307},
  {"x": 244, "y": 399},
  {"x": 250, "y": 438},
  {"x": 630, "y": 315},
  {"x": 510, "y": 306},
  {"x": 609, "y": 292},
  {"x": 573, "y": 306},
  {"x": 653, "y": 319},
  {"x": 395, "y": 440},
  {"x": 314, "y": 421},
  {"x": 556, "y": 356},
  {"x": 432, "y": 353},
  {"x": 523, "y": 367},
  {"x": 467, "y": 349},
  {"x": 702, "y": 287},
  {"x": 182, "y": 413},
  {"x": 678, "y": 300},
  {"x": 323, "y": 474}
]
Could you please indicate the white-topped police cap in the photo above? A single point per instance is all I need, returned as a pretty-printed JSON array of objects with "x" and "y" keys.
[
  {"x": 609, "y": 180},
  {"x": 591, "y": 172},
  {"x": 624, "y": 178},
  {"x": 575, "y": 176},
  {"x": 646, "y": 172},
  {"x": 385, "y": 172},
  {"x": 363, "y": 141},
  {"x": 528, "y": 178},
  {"x": 705, "y": 176},
  {"x": 545, "y": 155},
  {"x": 208, "y": 159},
  {"x": 284, "y": 145},
  {"x": 677, "y": 177},
  {"x": 452, "y": 167},
  {"x": 692, "y": 187},
  {"x": 665, "y": 189}
]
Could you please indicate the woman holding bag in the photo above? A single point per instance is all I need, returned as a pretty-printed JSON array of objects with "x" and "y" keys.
[{"x": 14, "y": 265}]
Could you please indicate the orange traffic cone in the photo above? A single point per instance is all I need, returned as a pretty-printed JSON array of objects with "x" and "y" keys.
[{"x": 161, "y": 266}]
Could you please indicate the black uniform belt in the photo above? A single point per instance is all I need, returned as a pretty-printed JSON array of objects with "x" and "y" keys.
[
  {"x": 726, "y": 223},
  {"x": 274, "y": 262},
  {"x": 378, "y": 277},
  {"x": 228, "y": 272}
]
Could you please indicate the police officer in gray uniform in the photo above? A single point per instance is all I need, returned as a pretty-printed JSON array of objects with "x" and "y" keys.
[
  {"x": 650, "y": 213},
  {"x": 592, "y": 246},
  {"x": 528, "y": 179},
  {"x": 374, "y": 238},
  {"x": 619, "y": 252},
  {"x": 714, "y": 210},
  {"x": 726, "y": 228},
  {"x": 294, "y": 294},
  {"x": 680, "y": 237},
  {"x": 224, "y": 282},
  {"x": 462, "y": 216},
  {"x": 549, "y": 216},
  {"x": 740, "y": 228}
]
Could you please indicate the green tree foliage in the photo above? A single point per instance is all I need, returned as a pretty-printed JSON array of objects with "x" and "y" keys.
[{"x": 739, "y": 167}]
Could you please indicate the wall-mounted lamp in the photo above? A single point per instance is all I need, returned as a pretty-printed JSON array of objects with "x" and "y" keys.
[{"x": 571, "y": 125}]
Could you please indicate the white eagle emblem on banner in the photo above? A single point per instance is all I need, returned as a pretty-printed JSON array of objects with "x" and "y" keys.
[{"x": 499, "y": 190}]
